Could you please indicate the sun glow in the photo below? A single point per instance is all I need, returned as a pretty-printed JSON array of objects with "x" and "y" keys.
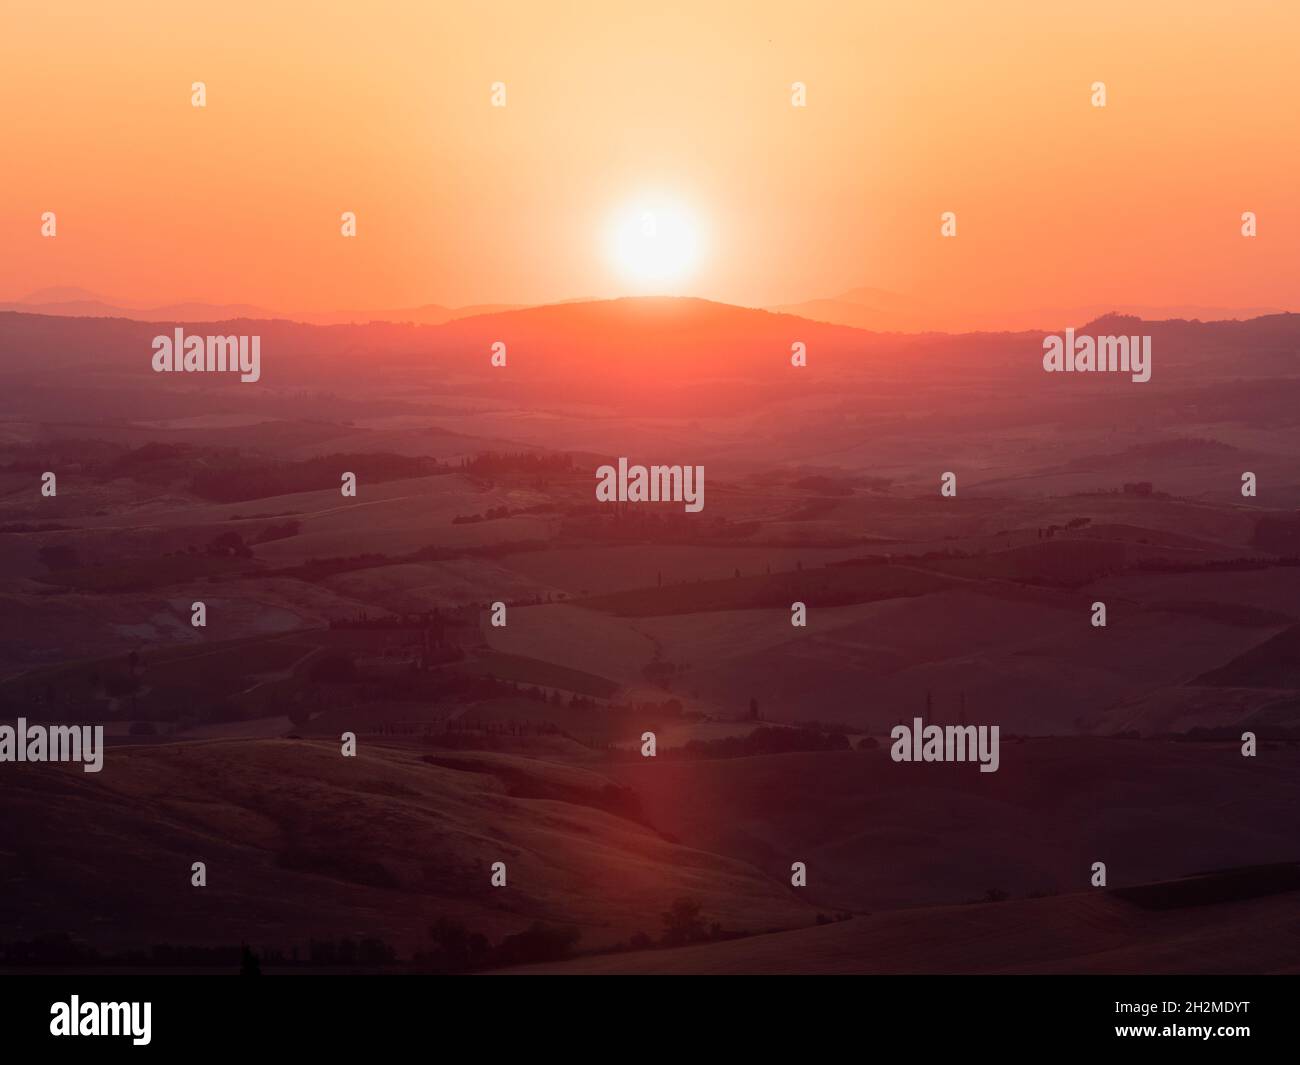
[{"x": 654, "y": 244}]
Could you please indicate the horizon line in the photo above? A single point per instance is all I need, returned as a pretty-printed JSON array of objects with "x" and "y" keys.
[{"x": 497, "y": 310}]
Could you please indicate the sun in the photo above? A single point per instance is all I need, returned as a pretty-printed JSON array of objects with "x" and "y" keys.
[{"x": 654, "y": 244}]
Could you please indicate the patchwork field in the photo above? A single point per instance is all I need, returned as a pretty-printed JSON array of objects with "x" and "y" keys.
[{"x": 371, "y": 615}]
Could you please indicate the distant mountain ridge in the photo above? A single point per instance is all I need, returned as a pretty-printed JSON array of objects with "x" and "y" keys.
[
  {"x": 867, "y": 309},
  {"x": 73, "y": 302},
  {"x": 878, "y": 310},
  {"x": 680, "y": 357}
]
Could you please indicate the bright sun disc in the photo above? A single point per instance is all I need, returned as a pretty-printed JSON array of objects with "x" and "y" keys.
[{"x": 655, "y": 243}]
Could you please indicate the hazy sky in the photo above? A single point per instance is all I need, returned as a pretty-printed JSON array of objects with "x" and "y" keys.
[{"x": 912, "y": 109}]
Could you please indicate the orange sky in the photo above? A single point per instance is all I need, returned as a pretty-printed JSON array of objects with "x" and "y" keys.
[{"x": 913, "y": 109}]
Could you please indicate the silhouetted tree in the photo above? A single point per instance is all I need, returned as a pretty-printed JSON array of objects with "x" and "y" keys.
[
  {"x": 682, "y": 923},
  {"x": 537, "y": 943}
]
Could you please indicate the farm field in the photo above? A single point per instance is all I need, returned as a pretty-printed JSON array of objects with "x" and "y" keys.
[{"x": 371, "y": 616}]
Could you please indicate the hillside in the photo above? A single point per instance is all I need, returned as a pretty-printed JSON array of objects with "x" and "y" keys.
[
  {"x": 1097, "y": 932},
  {"x": 300, "y": 842}
]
